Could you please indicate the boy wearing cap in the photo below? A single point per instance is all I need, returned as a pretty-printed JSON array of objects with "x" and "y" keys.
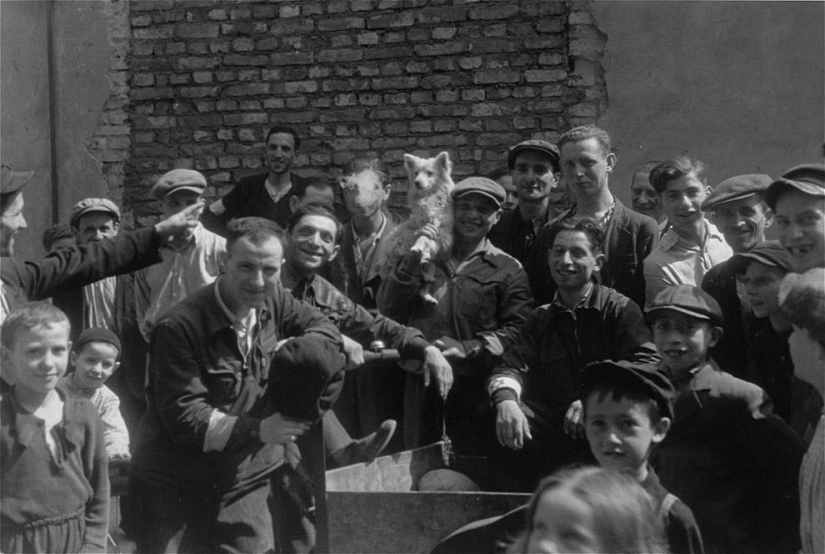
[
  {"x": 727, "y": 456},
  {"x": 798, "y": 202},
  {"x": 742, "y": 216},
  {"x": 587, "y": 160},
  {"x": 628, "y": 410},
  {"x": 534, "y": 166},
  {"x": 94, "y": 358},
  {"x": 189, "y": 263},
  {"x": 483, "y": 295},
  {"x": 760, "y": 271},
  {"x": 802, "y": 298},
  {"x": 692, "y": 245}
]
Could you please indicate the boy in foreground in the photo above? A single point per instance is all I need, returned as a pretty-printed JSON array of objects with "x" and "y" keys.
[
  {"x": 727, "y": 455},
  {"x": 628, "y": 410}
]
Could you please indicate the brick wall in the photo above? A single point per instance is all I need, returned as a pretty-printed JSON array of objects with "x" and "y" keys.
[{"x": 356, "y": 77}]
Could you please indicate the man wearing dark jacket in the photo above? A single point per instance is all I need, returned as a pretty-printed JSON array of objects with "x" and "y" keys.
[{"x": 265, "y": 195}]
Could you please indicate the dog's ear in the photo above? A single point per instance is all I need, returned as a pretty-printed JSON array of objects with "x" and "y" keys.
[
  {"x": 410, "y": 163},
  {"x": 443, "y": 161}
]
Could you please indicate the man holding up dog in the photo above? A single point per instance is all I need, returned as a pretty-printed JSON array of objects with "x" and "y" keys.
[{"x": 483, "y": 297}]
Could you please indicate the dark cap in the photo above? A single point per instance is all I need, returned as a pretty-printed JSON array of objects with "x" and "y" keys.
[
  {"x": 740, "y": 186},
  {"x": 97, "y": 334},
  {"x": 88, "y": 205},
  {"x": 808, "y": 178},
  {"x": 689, "y": 300},
  {"x": 480, "y": 185},
  {"x": 637, "y": 375},
  {"x": 538, "y": 145},
  {"x": 769, "y": 253},
  {"x": 179, "y": 179},
  {"x": 12, "y": 181}
]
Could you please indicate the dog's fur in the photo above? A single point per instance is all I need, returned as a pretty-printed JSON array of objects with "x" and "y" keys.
[{"x": 428, "y": 194}]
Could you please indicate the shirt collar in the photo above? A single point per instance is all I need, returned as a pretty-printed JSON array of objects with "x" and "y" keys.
[{"x": 585, "y": 300}]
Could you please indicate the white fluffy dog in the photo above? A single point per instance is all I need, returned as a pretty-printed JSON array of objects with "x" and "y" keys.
[{"x": 428, "y": 194}]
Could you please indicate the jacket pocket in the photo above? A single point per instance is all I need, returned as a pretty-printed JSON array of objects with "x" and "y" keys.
[{"x": 223, "y": 381}]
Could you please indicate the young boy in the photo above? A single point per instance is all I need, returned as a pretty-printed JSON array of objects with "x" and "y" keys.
[
  {"x": 94, "y": 359},
  {"x": 727, "y": 456},
  {"x": 692, "y": 245},
  {"x": 628, "y": 410},
  {"x": 54, "y": 483},
  {"x": 802, "y": 298}
]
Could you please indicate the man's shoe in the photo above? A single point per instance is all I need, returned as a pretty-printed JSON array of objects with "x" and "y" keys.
[
  {"x": 378, "y": 441},
  {"x": 364, "y": 451}
]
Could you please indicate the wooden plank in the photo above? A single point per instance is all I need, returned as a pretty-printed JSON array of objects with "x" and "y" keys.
[
  {"x": 407, "y": 521},
  {"x": 396, "y": 473}
]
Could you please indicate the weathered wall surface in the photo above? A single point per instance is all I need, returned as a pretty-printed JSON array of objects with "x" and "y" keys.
[
  {"x": 24, "y": 110},
  {"x": 65, "y": 95},
  {"x": 738, "y": 85},
  {"x": 359, "y": 77}
]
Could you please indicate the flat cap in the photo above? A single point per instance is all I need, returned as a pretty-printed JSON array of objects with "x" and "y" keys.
[
  {"x": 96, "y": 334},
  {"x": 769, "y": 253},
  {"x": 88, "y": 205},
  {"x": 480, "y": 185},
  {"x": 689, "y": 300},
  {"x": 179, "y": 179},
  {"x": 538, "y": 145},
  {"x": 808, "y": 178},
  {"x": 639, "y": 375},
  {"x": 740, "y": 186},
  {"x": 12, "y": 181}
]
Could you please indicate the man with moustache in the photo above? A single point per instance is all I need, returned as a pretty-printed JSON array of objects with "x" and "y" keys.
[{"x": 742, "y": 216}]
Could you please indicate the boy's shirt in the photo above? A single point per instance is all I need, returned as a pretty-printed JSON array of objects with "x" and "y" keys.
[
  {"x": 115, "y": 434},
  {"x": 676, "y": 261},
  {"x": 733, "y": 462},
  {"x": 182, "y": 272},
  {"x": 681, "y": 530}
]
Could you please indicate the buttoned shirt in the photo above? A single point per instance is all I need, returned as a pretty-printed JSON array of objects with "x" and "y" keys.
[
  {"x": 676, "y": 261},
  {"x": 182, "y": 271}
]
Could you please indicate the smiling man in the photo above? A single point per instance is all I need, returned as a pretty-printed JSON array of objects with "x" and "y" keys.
[
  {"x": 265, "y": 195},
  {"x": 587, "y": 160},
  {"x": 742, "y": 216},
  {"x": 535, "y": 387},
  {"x": 484, "y": 297},
  {"x": 798, "y": 202},
  {"x": 226, "y": 400},
  {"x": 534, "y": 167},
  {"x": 692, "y": 245},
  {"x": 643, "y": 197}
]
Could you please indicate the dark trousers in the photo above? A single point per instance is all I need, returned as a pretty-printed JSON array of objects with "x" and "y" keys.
[
  {"x": 172, "y": 521},
  {"x": 550, "y": 449}
]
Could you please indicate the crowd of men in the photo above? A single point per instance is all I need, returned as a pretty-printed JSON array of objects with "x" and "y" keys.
[{"x": 244, "y": 322}]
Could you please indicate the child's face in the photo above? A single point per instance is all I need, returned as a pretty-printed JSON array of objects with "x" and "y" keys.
[
  {"x": 563, "y": 522},
  {"x": 808, "y": 357},
  {"x": 95, "y": 363},
  {"x": 761, "y": 284},
  {"x": 39, "y": 357},
  {"x": 683, "y": 341},
  {"x": 682, "y": 201},
  {"x": 620, "y": 432}
]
